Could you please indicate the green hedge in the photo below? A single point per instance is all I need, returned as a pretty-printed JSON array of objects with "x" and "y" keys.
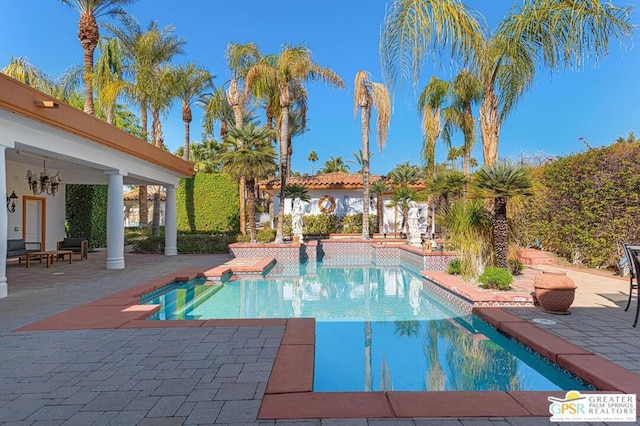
[
  {"x": 186, "y": 244},
  {"x": 208, "y": 202},
  {"x": 86, "y": 210},
  {"x": 587, "y": 204}
]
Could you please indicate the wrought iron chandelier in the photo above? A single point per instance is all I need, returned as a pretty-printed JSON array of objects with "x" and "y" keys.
[{"x": 43, "y": 183}]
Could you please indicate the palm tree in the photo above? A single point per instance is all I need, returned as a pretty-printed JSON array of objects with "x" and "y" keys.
[
  {"x": 108, "y": 75},
  {"x": 334, "y": 165},
  {"x": 240, "y": 58},
  {"x": 430, "y": 103},
  {"x": 88, "y": 34},
  {"x": 145, "y": 52},
  {"x": 252, "y": 159},
  {"x": 313, "y": 157},
  {"x": 553, "y": 34},
  {"x": 366, "y": 96},
  {"x": 286, "y": 72},
  {"x": 465, "y": 92},
  {"x": 500, "y": 182},
  {"x": 295, "y": 190},
  {"x": 24, "y": 71},
  {"x": 189, "y": 83},
  {"x": 379, "y": 188}
]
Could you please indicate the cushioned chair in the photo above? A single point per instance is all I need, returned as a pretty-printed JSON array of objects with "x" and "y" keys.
[
  {"x": 76, "y": 245},
  {"x": 18, "y": 248}
]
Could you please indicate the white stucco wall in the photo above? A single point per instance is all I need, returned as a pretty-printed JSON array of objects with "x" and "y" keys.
[{"x": 54, "y": 205}]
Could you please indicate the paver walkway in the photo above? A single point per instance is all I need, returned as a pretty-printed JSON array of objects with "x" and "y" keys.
[{"x": 175, "y": 376}]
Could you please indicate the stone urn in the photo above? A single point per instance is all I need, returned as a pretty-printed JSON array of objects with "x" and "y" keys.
[{"x": 555, "y": 292}]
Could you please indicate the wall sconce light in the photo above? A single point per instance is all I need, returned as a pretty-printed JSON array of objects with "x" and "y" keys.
[{"x": 12, "y": 200}]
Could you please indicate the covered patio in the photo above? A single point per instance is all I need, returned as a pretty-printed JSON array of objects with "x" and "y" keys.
[{"x": 41, "y": 133}]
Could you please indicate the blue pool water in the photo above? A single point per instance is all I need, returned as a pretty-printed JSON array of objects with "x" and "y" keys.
[{"x": 376, "y": 329}]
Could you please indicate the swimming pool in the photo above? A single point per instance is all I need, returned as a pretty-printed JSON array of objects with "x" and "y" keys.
[{"x": 376, "y": 329}]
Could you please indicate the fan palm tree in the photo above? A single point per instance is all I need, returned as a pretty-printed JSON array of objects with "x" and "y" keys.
[
  {"x": 501, "y": 182},
  {"x": 465, "y": 92},
  {"x": 88, "y": 34},
  {"x": 430, "y": 103},
  {"x": 286, "y": 72},
  {"x": 366, "y": 96},
  {"x": 252, "y": 159},
  {"x": 295, "y": 190},
  {"x": 190, "y": 82},
  {"x": 334, "y": 165},
  {"x": 313, "y": 157},
  {"x": 538, "y": 34}
]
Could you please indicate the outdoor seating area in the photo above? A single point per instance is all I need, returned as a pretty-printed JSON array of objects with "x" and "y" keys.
[
  {"x": 18, "y": 248},
  {"x": 79, "y": 246}
]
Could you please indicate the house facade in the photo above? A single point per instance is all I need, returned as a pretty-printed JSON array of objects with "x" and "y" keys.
[{"x": 41, "y": 136}]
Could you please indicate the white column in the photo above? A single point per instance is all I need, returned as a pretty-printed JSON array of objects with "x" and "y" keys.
[
  {"x": 115, "y": 221},
  {"x": 170, "y": 223},
  {"x": 3, "y": 228}
]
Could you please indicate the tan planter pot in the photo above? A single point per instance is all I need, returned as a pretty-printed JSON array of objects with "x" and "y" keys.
[{"x": 555, "y": 292}]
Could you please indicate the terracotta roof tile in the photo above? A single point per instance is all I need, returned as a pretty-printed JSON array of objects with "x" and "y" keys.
[
  {"x": 132, "y": 195},
  {"x": 324, "y": 181}
]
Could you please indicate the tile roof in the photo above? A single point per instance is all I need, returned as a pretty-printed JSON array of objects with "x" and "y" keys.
[
  {"x": 132, "y": 195},
  {"x": 338, "y": 180}
]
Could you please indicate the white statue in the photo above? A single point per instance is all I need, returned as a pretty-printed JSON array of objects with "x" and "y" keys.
[
  {"x": 296, "y": 219},
  {"x": 415, "y": 239}
]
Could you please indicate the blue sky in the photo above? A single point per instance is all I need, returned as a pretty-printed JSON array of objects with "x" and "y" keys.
[{"x": 597, "y": 104}]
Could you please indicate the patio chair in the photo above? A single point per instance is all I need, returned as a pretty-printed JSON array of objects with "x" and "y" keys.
[
  {"x": 634, "y": 253},
  {"x": 628, "y": 248}
]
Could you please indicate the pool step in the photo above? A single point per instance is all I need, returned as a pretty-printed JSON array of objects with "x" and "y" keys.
[{"x": 240, "y": 266}]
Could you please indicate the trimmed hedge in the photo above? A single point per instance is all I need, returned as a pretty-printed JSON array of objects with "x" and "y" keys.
[
  {"x": 86, "y": 210},
  {"x": 186, "y": 244},
  {"x": 208, "y": 202}
]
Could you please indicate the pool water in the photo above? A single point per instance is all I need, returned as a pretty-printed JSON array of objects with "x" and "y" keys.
[{"x": 376, "y": 329}]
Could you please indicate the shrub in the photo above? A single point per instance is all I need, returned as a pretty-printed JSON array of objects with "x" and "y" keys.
[
  {"x": 192, "y": 243},
  {"x": 353, "y": 223},
  {"x": 322, "y": 224},
  {"x": 266, "y": 235},
  {"x": 515, "y": 266},
  {"x": 454, "y": 267},
  {"x": 494, "y": 277}
]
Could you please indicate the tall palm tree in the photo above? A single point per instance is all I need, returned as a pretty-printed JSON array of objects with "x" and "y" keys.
[
  {"x": 313, "y": 157},
  {"x": 190, "y": 83},
  {"x": 240, "y": 58},
  {"x": 287, "y": 72},
  {"x": 430, "y": 103},
  {"x": 334, "y": 165},
  {"x": 160, "y": 100},
  {"x": 500, "y": 182},
  {"x": 551, "y": 34},
  {"x": 465, "y": 92},
  {"x": 88, "y": 34},
  {"x": 145, "y": 51},
  {"x": 366, "y": 96},
  {"x": 252, "y": 159}
]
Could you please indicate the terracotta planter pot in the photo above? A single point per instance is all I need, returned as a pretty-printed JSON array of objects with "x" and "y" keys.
[{"x": 555, "y": 292}]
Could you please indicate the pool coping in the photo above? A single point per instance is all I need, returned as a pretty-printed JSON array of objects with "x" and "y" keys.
[{"x": 289, "y": 392}]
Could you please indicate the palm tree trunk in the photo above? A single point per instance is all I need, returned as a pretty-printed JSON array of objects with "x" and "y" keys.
[
  {"x": 380, "y": 209},
  {"x": 143, "y": 208},
  {"x": 88, "y": 34},
  {"x": 490, "y": 126},
  {"x": 251, "y": 206},
  {"x": 501, "y": 233},
  {"x": 283, "y": 173},
  {"x": 186, "y": 117},
  {"x": 143, "y": 118},
  {"x": 365, "y": 114},
  {"x": 238, "y": 114}
]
